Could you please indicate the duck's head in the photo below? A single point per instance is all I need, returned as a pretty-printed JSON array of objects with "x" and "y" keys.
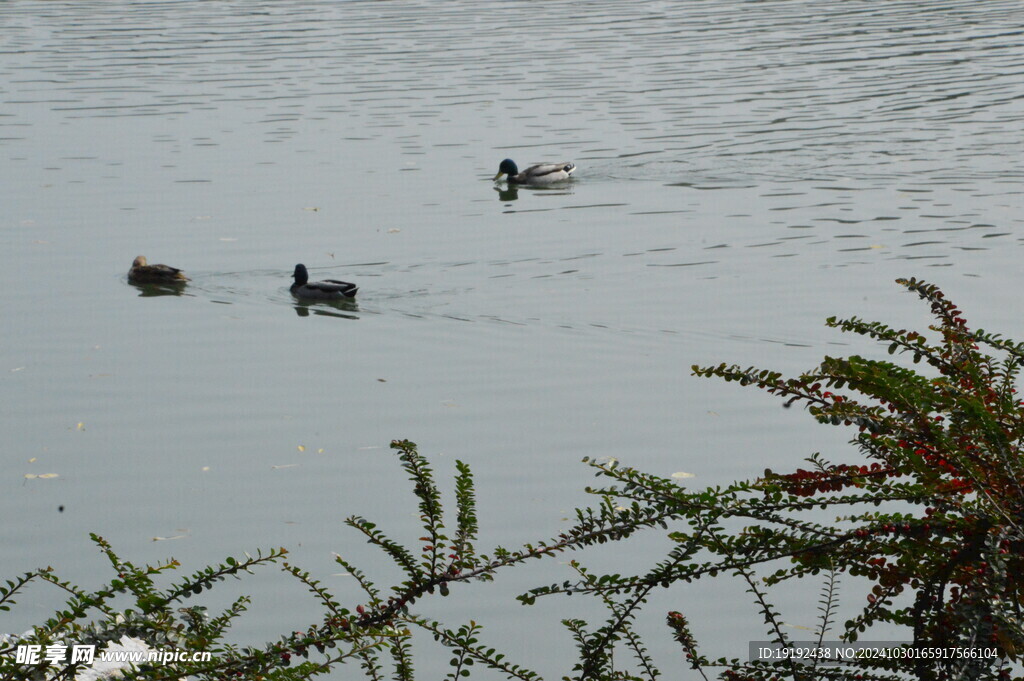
[
  {"x": 507, "y": 167},
  {"x": 301, "y": 276},
  {"x": 140, "y": 261}
]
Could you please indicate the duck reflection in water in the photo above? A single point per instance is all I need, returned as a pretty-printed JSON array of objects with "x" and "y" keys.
[
  {"x": 155, "y": 290},
  {"x": 508, "y": 192},
  {"x": 331, "y": 308}
]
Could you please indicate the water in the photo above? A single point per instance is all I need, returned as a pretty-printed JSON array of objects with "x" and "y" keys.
[{"x": 746, "y": 169}]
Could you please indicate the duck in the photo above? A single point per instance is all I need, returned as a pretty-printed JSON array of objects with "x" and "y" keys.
[
  {"x": 328, "y": 289},
  {"x": 542, "y": 173},
  {"x": 144, "y": 273}
]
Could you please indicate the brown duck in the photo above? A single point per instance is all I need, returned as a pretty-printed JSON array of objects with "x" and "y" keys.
[{"x": 144, "y": 273}]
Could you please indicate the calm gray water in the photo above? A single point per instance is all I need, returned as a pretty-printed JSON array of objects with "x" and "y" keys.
[{"x": 746, "y": 169}]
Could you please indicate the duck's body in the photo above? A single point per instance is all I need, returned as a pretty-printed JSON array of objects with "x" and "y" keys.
[
  {"x": 542, "y": 173},
  {"x": 144, "y": 273},
  {"x": 328, "y": 289}
]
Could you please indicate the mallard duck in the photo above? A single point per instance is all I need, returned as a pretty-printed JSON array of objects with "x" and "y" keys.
[
  {"x": 542, "y": 173},
  {"x": 328, "y": 289},
  {"x": 144, "y": 273}
]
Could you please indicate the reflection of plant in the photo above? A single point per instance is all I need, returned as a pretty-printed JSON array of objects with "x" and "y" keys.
[{"x": 940, "y": 549}]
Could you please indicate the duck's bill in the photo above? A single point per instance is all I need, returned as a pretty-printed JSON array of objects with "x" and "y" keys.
[{"x": 498, "y": 176}]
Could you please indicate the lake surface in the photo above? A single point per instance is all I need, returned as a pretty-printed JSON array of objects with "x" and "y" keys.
[{"x": 746, "y": 169}]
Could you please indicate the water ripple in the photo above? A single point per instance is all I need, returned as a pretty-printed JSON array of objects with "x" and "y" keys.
[{"x": 848, "y": 101}]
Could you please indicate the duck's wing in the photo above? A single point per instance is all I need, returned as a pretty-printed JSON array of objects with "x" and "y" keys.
[
  {"x": 550, "y": 171},
  {"x": 170, "y": 272},
  {"x": 156, "y": 274},
  {"x": 334, "y": 286}
]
